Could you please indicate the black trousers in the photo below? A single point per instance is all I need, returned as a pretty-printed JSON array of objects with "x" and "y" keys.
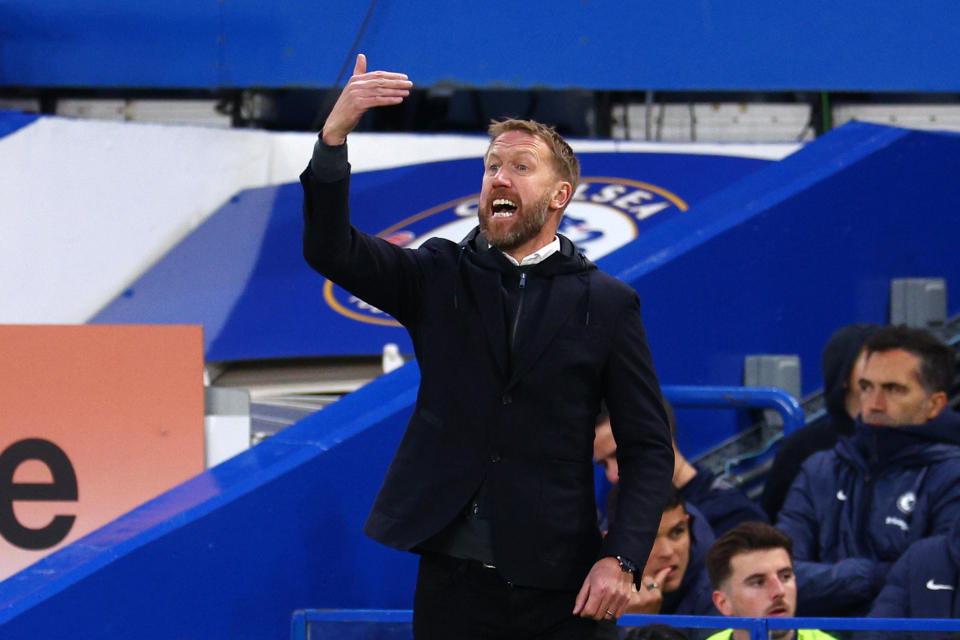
[{"x": 463, "y": 599}]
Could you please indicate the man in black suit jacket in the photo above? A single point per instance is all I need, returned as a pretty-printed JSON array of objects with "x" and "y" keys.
[{"x": 518, "y": 337}]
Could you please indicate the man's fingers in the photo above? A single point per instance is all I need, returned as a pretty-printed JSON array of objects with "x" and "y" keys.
[
  {"x": 382, "y": 88},
  {"x": 581, "y": 599},
  {"x": 361, "y": 65},
  {"x": 661, "y": 576},
  {"x": 597, "y": 605},
  {"x": 383, "y": 79},
  {"x": 618, "y": 609},
  {"x": 378, "y": 85}
]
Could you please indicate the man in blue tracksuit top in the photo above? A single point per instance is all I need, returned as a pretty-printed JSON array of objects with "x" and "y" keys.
[
  {"x": 853, "y": 510},
  {"x": 925, "y": 582}
]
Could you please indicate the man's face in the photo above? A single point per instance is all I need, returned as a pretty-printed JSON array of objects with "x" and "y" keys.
[
  {"x": 522, "y": 196},
  {"x": 852, "y": 399},
  {"x": 671, "y": 548},
  {"x": 761, "y": 585},
  {"x": 890, "y": 391},
  {"x": 605, "y": 451}
]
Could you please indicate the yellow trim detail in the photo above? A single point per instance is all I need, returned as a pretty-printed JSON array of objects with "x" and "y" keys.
[{"x": 353, "y": 315}]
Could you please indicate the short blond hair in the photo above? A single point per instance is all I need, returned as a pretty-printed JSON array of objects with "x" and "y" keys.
[{"x": 564, "y": 162}]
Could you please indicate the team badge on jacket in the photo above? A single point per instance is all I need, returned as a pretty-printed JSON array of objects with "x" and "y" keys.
[{"x": 907, "y": 502}]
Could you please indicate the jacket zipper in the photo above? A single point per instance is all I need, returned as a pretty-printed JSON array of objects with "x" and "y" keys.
[{"x": 516, "y": 318}]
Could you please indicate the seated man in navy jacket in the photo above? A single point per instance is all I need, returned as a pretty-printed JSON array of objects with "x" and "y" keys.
[
  {"x": 841, "y": 364},
  {"x": 853, "y": 510},
  {"x": 674, "y": 578},
  {"x": 925, "y": 581}
]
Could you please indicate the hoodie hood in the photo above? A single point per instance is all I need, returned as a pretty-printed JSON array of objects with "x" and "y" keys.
[
  {"x": 906, "y": 445},
  {"x": 568, "y": 260},
  {"x": 839, "y": 356}
]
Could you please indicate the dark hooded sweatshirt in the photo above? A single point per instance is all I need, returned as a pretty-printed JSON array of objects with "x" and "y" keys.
[
  {"x": 855, "y": 509},
  {"x": 925, "y": 582},
  {"x": 514, "y": 363},
  {"x": 839, "y": 356},
  {"x": 694, "y": 596},
  {"x": 723, "y": 504}
]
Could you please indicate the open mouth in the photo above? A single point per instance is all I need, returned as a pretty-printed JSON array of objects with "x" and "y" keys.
[
  {"x": 503, "y": 208},
  {"x": 777, "y": 612}
]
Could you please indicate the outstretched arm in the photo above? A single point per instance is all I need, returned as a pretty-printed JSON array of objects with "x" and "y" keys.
[
  {"x": 363, "y": 91},
  {"x": 380, "y": 273}
]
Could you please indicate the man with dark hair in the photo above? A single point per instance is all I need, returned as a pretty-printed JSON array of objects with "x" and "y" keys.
[
  {"x": 853, "y": 510},
  {"x": 751, "y": 570},
  {"x": 841, "y": 362},
  {"x": 722, "y": 503},
  {"x": 519, "y": 338},
  {"x": 674, "y": 580}
]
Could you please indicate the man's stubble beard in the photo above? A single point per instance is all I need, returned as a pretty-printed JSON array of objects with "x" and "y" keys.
[
  {"x": 781, "y": 634},
  {"x": 524, "y": 228}
]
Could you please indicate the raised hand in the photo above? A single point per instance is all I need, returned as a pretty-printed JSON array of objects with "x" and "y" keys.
[{"x": 363, "y": 91}]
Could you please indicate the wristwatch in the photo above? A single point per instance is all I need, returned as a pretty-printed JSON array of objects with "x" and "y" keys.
[
  {"x": 626, "y": 564},
  {"x": 629, "y": 566}
]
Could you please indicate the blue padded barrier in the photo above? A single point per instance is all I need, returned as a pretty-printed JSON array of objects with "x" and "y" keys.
[
  {"x": 11, "y": 121},
  {"x": 233, "y": 551},
  {"x": 309, "y": 624}
]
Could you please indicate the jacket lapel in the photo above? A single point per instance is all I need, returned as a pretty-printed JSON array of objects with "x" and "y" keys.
[
  {"x": 485, "y": 292},
  {"x": 562, "y": 299}
]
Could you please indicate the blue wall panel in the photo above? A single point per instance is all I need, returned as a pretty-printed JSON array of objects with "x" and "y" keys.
[
  {"x": 686, "y": 44},
  {"x": 110, "y": 43}
]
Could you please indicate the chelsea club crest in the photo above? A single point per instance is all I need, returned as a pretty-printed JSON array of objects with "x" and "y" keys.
[{"x": 602, "y": 217}]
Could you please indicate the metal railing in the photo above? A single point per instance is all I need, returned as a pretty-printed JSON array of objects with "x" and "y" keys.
[
  {"x": 308, "y": 624},
  {"x": 717, "y": 397},
  {"x": 709, "y": 397}
]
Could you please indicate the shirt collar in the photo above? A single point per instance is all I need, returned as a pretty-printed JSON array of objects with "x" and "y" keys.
[{"x": 537, "y": 256}]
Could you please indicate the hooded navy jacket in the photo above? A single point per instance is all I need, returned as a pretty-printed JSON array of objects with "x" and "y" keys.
[
  {"x": 839, "y": 356},
  {"x": 925, "y": 582},
  {"x": 514, "y": 362},
  {"x": 723, "y": 504},
  {"x": 855, "y": 509},
  {"x": 694, "y": 596}
]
